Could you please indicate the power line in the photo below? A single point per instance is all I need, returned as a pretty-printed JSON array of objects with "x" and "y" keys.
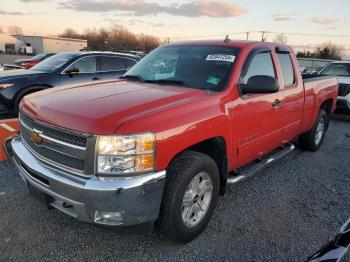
[{"x": 301, "y": 34}]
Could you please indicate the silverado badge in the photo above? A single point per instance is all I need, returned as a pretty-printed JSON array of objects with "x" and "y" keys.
[{"x": 36, "y": 138}]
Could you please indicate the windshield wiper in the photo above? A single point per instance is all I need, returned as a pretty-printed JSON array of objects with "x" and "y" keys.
[
  {"x": 133, "y": 77},
  {"x": 167, "y": 81}
]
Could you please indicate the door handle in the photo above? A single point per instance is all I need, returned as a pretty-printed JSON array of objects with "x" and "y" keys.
[{"x": 278, "y": 103}]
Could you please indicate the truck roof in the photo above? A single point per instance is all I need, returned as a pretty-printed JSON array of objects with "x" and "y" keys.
[{"x": 233, "y": 43}]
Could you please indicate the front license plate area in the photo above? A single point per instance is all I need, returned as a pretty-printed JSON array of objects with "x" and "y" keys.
[{"x": 42, "y": 197}]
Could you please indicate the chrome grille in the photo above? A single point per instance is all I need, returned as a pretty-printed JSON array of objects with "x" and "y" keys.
[
  {"x": 59, "y": 147},
  {"x": 53, "y": 132},
  {"x": 344, "y": 89}
]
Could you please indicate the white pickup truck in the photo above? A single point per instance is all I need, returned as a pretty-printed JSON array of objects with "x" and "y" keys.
[{"x": 342, "y": 70}]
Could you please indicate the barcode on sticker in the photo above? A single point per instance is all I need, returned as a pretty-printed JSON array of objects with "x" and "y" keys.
[{"x": 221, "y": 57}]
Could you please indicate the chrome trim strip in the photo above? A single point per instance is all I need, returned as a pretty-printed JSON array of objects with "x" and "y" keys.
[
  {"x": 53, "y": 139},
  {"x": 62, "y": 143}
]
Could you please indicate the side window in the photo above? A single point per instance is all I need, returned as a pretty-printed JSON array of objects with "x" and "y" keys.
[
  {"x": 85, "y": 65},
  {"x": 287, "y": 69},
  {"x": 112, "y": 63},
  {"x": 261, "y": 64}
]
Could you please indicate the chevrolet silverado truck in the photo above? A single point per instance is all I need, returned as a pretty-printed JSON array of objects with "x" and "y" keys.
[{"x": 159, "y": 145}]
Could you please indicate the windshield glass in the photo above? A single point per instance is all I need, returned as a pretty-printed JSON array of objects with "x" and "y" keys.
[
  {"x": 54, "y": 62},
  {"x": 201, "y": 67},
  {"x": 337, "y": 69}
]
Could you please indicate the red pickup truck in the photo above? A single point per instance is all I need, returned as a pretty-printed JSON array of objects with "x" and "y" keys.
[{"x": 160, "y": 144}]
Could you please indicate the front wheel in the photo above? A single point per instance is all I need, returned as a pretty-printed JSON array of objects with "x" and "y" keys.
[
  {"x": 313, "y": 139},
  {"x": 190, "y": 196}
]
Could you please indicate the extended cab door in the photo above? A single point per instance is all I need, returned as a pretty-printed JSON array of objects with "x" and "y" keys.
[
  {"x": 112, "y": 67},
  {"x": 257, "y": 126},
  {"x": 292, "y": 90},
  {"x": 82, "y": 70}
]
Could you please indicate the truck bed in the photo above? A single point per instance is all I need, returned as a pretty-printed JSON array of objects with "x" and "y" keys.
[{"x": 318, "y": 89}]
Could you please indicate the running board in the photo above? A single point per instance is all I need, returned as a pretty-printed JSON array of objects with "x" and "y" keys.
[{"x": 252, "y": 169}]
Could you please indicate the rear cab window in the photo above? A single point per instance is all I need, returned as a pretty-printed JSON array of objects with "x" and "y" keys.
[{"x": 287, "y": 69}]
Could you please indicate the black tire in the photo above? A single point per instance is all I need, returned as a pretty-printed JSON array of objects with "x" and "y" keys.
[
  {"x": 308, "y": 141},
  {"x": 18, "y": 99},
  {"x": 181, "y": 172}
]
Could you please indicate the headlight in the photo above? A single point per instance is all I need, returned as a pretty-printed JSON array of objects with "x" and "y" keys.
[
  {"x": 120, "y": 155},
  {"x": 3, "y": 86}
]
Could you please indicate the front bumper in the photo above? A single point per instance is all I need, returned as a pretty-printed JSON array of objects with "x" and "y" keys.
[
  {"x": 343, "y": 102},
  {"x": 135, "y": 200}
]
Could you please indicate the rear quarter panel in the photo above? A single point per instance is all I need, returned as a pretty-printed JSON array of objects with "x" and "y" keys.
[{"x": 317, "y": 91}]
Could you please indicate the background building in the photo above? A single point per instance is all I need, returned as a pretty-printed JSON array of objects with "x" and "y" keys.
[
  {"x": 8, "y": 44},
  {"x": 40, "y": 44},
  {"x": 49, "y": 44}
]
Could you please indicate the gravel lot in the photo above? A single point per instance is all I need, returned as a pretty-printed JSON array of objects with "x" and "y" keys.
[{"x": 285, "y": 214}]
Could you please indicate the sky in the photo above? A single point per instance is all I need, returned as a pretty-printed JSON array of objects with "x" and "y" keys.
[{"x": 306, "y": 23}]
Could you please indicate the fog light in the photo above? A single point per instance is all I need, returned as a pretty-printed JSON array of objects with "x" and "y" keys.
[{"x": 108, "y": 218}]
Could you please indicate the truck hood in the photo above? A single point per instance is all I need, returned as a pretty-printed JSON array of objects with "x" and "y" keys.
[{"x": 101, "y": 108}]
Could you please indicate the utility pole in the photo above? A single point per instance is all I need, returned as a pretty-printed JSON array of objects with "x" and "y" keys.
[
  {"x": 263, "y": 36},
  {"x": 247, "y": 35}
]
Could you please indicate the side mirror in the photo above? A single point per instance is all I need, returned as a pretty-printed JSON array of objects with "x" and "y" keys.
[
  {"x": 73, "y": 72},
  {"x": 260, "y": 84}
]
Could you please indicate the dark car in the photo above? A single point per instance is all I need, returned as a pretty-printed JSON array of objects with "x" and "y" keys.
[
  {"x": 57, "y": 70},
  {"x": 30, "y": 62}
]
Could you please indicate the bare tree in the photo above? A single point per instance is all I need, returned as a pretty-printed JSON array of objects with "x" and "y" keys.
[
  {"x": 329, "y": 51},
  {"x": 15, "y": 30},
  {"x": 324, "y": 51},
  {"x": 281, "y": 39},
  {"x": 70, "y": 33},
  {"x": 116, "y": 38}
]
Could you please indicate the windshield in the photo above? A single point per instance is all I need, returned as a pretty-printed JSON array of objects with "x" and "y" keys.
[
  {"x": 337, "y": 69},
  {"x": 201, "y": 67},
  {"x": 54, "y": 62}
]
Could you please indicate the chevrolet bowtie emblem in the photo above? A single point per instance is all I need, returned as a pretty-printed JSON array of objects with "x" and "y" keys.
[{"x": 36, "y": 138}]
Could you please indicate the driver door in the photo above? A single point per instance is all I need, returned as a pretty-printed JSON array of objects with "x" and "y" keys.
[{"x": 257, "y": 127}]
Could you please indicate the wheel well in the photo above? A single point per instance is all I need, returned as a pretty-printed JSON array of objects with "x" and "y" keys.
[
  {"x": 216, "y": 149},
  {"x": 327, "y": 106},
  {"x": 26, "y": 92}
]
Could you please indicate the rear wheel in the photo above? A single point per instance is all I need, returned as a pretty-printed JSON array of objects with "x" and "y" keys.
[
  {"x": 190, "y": 196},
  {"x": 313, "y": 139}
]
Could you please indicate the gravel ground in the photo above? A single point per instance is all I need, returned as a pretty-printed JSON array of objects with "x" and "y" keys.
[{"x": 286, "y": 213}]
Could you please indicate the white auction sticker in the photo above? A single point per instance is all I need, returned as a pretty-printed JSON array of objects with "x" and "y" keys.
[{"x": 221, "y": 57}]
